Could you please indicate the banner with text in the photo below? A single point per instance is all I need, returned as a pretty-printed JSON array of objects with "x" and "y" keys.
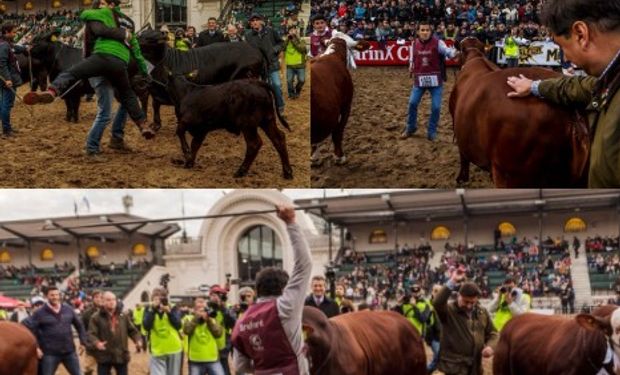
[{"x": 395, "y": 53}]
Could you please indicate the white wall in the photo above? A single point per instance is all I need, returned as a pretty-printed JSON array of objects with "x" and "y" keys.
[{"x": 148, "y": 282}]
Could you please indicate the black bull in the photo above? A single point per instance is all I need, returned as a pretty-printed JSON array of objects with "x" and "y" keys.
[{"x": 213, "y": 64}]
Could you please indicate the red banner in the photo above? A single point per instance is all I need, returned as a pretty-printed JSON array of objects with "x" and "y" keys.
[{"x": 392, "y": 54}]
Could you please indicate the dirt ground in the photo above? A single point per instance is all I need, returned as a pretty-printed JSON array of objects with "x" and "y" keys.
[
  {"x": 139, "y": 364},
  {"x": 48, "y": 152},
  {"x": 377, "y": 157}
]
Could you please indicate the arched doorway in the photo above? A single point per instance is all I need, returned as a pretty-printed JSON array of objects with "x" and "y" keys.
[{"x": 258, "y": 247}]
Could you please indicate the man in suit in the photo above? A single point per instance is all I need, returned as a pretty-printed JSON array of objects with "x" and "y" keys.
[
  {"x": 319, "y": 300},
  {"x": 211, "y": 35}
]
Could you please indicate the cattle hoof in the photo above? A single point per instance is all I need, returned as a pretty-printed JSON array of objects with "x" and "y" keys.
[
  {"x": 462, "y": 180},
  {"x": 240, "y": 173},
  {"x": 189, "y": 164},
  {"x": 155, "y": 126},
  {"x": 148, "y": 133},
  {"x": 341, "y": 160},
  {"x": 178, "y": 161},
  {"x": 288, "y": 175}
]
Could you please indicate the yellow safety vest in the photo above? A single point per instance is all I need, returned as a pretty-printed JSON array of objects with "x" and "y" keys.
[
  {"x": 138, "y": 317},
  {"x": 201, "y": 346},
  {"x": 511, "y": 48},
  {"x": 164, "y": 338},
  {"x": 221, "y": 341},
  {"x": 410, "y": 315},
  {"x": 502, "y": 316}
]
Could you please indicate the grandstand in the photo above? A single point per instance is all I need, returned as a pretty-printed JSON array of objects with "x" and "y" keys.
[{"x": 115, "y": 256}]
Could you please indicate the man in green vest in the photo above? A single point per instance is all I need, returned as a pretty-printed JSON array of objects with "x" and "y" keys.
[
  {"x": 3, "y": 315},
  {"x": 339, "y": 294},
  {"x": 507, "y": 303},
  {"x": 138, "y": 317},
  {"x": 110, "y": 59},
  {"x": 201, "y": 332},
  {"x": 162, "y": 323},
  {"x": 511, "y": 48},
  {"x": 225, "y": 318},
  {"x": 295, "y": 51}
]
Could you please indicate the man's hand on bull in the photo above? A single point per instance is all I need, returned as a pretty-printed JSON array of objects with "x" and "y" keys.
[{"x": 521, "y": 85}]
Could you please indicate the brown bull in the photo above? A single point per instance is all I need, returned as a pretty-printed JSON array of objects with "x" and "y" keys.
[
  {"x": 523, "y": 142},
  {"x": 363, "y": 343},
  {"x": 18, "y": 350},
  {"x": 533, "y": 344},
  {"x": 331, "y": 93}
]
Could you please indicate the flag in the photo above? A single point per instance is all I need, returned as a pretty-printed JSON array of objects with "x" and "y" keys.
[{"x": 86, "y": 203}]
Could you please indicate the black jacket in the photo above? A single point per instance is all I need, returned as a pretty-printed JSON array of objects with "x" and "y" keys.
[
  {"x": 329, "y": 307},
  {"x": 9, "y": 70},
  {"x": 205, "y": 38},
  {"x": 269, "y": 42}
]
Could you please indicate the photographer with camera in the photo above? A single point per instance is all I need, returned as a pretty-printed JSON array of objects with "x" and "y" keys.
[
  {"x": 246, "y": 299},
  {"x": 508, "y": 302},
  {"x": 224, "y": 316},
  {"x": 162, "y": 322},
  {"x": 419, "y": 311},
  {"x": 295, "y": 51},
  {"x": 201, "y": 332}
]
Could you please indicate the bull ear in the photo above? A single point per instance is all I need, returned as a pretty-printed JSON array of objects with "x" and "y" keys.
[{"x": 594, "y": 322}]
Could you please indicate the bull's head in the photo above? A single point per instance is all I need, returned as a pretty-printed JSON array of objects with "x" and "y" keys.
[
  {"x": 44, "y": 47},
  {"x": 471, "y": 47},
  {"x": 153, "y": 45},
  {"x": 318, "y": 337},
  {"x": 607, "y": 320},
  {"x": 343, "y": 44}
]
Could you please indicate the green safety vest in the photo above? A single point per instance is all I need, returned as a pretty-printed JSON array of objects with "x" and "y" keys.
[
  {"x": 502, "y": 316},
  {"x": 528, "y": 299},
  {"x": 338, "y": 301},
  {"x": 221, "y": 341},
  {"x": 410, "y": 315},
  {"x": 2, "y": 315},
  {"x": 138, "y": 317},
  {"x": 511, "y": 48},
  {"x": 201, "y": 346},
  {"x": 164, "y": 338}
]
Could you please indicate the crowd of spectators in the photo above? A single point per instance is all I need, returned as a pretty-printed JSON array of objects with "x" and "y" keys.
[
  {"x": 380, "y": 20},
  {"x": 545, "y": 272},
  {"x": 66, "y": 22}
]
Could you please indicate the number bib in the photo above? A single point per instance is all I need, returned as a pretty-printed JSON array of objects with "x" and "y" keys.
[{"x": 428, "y": 80}]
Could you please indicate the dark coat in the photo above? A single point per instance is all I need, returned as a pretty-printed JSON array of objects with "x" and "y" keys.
[
  {"x": 328, "y": 306},
  {"x": 53, "y": 331},
  {"x": 100, "y": 329},
  {"x": 9, "y": 69},
  {"x": 269, "y": 42},
  {"x": 205, "y": 38}
]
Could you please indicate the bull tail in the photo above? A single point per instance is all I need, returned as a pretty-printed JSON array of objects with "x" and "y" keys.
[{"x": 272, "y": 93}]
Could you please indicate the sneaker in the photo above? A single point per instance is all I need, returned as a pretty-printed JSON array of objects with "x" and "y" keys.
[
  {"x": 405, "y": 135},
  {"x": 432, "y": 138},
  {"x": 95, "y": 157},
  {"x": 45, "y": 97}
]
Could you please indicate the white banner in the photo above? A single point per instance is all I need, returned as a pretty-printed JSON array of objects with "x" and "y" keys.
[{"x": 537, "y": 53}]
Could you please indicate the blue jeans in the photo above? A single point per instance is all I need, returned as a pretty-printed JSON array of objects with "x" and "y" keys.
[
  {"x": 414, "y": 101},
  {"x": 202, "y": 368},
  {"x": 291, "y": 73},
  {"x": 49, "y": 364},
  {"x": 6, "y": 104},
  {"x": 274, "y": 79},
  {"x": 433, "y": 365},
  {"x": 106, "y": 369},
  {"x": 105, "y": 97}
]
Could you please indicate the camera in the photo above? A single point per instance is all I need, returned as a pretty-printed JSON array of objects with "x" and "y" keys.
[
  {"x": 243, "y": 306},
  {"x": 164, "y": 301},
  {"x": 505, "y": 289},
  {"x": 211, "y": 311}
]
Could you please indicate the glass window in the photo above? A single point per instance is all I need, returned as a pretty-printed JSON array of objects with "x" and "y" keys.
[{"x": 258, "y": 247}]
